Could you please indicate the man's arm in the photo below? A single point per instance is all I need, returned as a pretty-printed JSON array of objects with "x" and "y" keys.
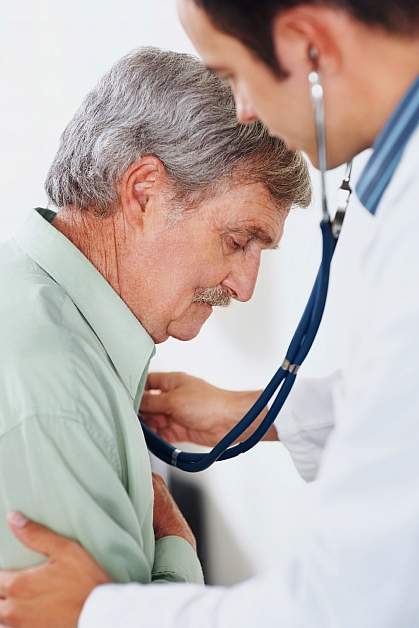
[
  {"x": 56, "y": 473},
  {"x": 175, "y": 557},
  {"x": 71, "y": 573},
  {"x": 68, "y": 563}
]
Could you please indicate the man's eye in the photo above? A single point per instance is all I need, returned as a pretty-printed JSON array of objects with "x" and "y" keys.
[{"x": 235, "y": 245}]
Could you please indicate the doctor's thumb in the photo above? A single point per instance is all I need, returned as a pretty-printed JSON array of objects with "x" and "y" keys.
[{"x": 34, "y": 535}]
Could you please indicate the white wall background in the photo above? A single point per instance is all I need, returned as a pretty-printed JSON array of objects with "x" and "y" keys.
[{"x": 51, "y": 54}]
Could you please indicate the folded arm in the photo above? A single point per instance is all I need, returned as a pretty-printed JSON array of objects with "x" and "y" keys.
[{"x": 56, "y": 473}]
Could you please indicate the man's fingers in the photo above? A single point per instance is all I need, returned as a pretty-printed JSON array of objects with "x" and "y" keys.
[
  {"x": 164, "y": 381},
  {"x": 35, "y": 536}
]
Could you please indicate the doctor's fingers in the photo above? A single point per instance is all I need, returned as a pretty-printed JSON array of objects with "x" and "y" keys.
[
  {"x": 37, "y": 537},
  {"x": 165, "y": 381},
  {"x": 7, "y": 581},
  {"x": 10, "y": 614},
  {"x": 156, "y": 421},
  {"x": 156, "y": 404},
  {"x": 163, "y": 427},
  {"x": 17, "y": 585},
  {"x": 18, "y": 613}
]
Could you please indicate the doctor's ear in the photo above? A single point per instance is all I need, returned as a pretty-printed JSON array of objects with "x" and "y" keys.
[
  {"x": 144, "y": 180},
  {"x": 309, "y": 37}
]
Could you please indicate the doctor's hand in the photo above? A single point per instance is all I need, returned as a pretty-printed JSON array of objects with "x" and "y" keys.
[
  {"x": 53, "y": 594},
  {"x": 182, "y": 408}
]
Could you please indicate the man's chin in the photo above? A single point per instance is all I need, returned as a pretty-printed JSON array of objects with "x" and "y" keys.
[
  {"x": 187, "y": 328},
  {"x": 184, "y": 336}
]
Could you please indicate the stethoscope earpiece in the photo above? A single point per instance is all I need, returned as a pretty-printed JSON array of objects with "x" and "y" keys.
[{"x": 313, "y": 55}]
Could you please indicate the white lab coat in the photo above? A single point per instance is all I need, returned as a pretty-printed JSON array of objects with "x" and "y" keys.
[{"x": 356, "y": 563}]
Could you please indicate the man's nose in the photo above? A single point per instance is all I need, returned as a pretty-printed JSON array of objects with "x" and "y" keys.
[{"x": 241, "y": 281}]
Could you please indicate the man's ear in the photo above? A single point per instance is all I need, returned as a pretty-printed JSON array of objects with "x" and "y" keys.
[
  {"x": 300, "y": 30},
  {"x": 140, "y": 184}
]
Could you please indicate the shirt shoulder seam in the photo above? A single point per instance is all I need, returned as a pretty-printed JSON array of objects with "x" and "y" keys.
[
  {"x": 38, "y": 416},
  {"x": 65, "y": 417}
]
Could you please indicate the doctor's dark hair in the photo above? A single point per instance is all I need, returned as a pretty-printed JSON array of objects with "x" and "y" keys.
[
  {"x": 168, "y": 105},
  {"x": 250, "y": 21}
]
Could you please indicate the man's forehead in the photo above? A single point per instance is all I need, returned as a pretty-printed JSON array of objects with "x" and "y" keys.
[{"x": 250, "y": 207}]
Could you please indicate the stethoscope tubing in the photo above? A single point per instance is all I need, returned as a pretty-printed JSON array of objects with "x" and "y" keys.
[
  {"x": 304, "y": 336},
  {"x": 282, "y": 381}
]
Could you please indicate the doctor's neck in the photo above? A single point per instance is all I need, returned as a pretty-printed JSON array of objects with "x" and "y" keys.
[
  {"x": 372, "y": 70},
  {"x": 388, "y": 65}
]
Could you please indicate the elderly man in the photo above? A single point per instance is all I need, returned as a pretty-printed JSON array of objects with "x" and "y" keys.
[{"x": 165, "y": 205}]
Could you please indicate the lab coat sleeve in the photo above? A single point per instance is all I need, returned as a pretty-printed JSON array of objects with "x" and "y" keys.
[
  {"x": 306, "y": 421},
  {"x": 353, "y": 557}
]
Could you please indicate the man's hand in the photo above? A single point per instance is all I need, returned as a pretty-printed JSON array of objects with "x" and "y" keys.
[
  {"x": 53, "y": 594},
  {"x": 167, "y": 518},
  {"x": 182, "y": 408}
]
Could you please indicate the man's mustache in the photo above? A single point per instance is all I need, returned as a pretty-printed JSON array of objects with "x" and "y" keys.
[{"x": 213, "y": 296}]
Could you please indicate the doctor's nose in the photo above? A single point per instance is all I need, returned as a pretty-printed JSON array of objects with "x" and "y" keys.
[
  {"x": 244, "y": 111},
  {"x": 241, "y": 281}
]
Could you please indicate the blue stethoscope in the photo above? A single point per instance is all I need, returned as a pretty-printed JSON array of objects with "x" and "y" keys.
[{"x": 283, "y": 380}]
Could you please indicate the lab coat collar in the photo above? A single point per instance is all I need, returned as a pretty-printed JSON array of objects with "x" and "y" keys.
[
  {"x": 388, "y": 150},
  {"x": 126, "y": 342}
]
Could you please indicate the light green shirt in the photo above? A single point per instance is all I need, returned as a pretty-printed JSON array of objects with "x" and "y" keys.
[{"x": 73, "y": 364}]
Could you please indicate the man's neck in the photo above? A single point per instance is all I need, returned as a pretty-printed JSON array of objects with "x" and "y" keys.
[{"x": 97, "y": 238}]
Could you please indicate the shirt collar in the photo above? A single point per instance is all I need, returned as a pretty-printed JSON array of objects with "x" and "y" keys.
[
  {"x": 388, "y": 150},
  {"x": 126, "y": 342}
]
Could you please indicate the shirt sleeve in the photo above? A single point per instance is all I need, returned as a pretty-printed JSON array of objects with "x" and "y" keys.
[
  {"x": 307, "y": 421},
  {"x": 56, "y": 473},
  {"x": 176, "y": 561}
]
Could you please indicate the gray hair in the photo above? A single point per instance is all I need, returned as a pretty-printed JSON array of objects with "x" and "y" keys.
[{"x": 167, "y": 104}]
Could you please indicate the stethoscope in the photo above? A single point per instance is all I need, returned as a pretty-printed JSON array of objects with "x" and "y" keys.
[{"x": 283, "y": 380}]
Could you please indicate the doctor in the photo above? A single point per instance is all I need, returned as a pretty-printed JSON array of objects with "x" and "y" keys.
[{"x": 357, "y": 560}]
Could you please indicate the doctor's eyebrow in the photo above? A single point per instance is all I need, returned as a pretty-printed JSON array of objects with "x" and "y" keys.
[
  {"x": 217, "y": 69},
  {"x": 222, "y": 73}
]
